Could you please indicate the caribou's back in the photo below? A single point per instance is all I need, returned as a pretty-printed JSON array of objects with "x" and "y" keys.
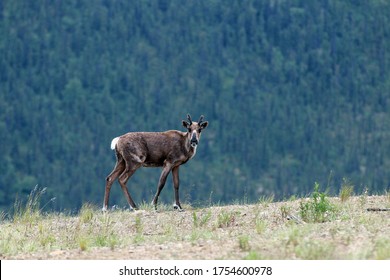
[{"x": 153, "y": 148}]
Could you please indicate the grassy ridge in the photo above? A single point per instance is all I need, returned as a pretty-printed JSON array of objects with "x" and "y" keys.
[{"x": 316, "y": 227}]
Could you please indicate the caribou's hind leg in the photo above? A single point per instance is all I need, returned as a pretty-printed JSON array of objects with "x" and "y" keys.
[
  {"x": 118, "y": 169},
  {"x": 123, "y": 178},
  {"x": 133, "y": 162}
]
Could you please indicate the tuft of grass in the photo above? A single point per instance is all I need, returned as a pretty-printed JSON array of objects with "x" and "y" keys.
[
  {"x": 195, "y": 219},
  {"x": 139, "y": 226},
  {"x": 3, "y": 216},
  {"x": 314, "y": 250},
  {"x": 363, "y": 198},
  {"x": 161, "y": 207},
  {"x": 346, "y": 190},
  {"x": 243, "y": 242},
  {"x": 45, "y": 236},
  {"x": 147, "y": 206},
  {"x": 226, "y": 219},
  {"x": 294, "y": 236},
  {"x": 106, "y": 240},
  {"x": 253, "y": 255},
  {"x": 387, "y": 195},
  {"x": 83, "y": 244},
  {"x": 266, "y": 200},
  {"x": 292, "y": 198},
  {"x": 382, "y": 249},
  {"x": 261, "y": 225},
  {"x": 29, "y": 211},
  {"x": 139, "y": 230},
  {"x": 202, "y": 220},
  {"x": 285, "y": 211},
  {"x": 86, "y": 213},
  {"x": 318, "y": 209}
]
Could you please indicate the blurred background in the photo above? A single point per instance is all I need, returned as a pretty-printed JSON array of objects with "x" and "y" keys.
[{"x": 295, "y": 92}]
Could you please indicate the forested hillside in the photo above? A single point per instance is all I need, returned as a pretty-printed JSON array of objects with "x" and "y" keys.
[{"x": 294, "y": 91}]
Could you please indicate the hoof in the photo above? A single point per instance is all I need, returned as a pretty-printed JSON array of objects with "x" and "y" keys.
[{"x": 178, "y": 208}]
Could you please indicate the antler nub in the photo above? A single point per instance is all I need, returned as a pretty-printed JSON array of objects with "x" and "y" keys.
[
  {"x": 189, "y": 118},
  {"x": 201, "y": 119}
]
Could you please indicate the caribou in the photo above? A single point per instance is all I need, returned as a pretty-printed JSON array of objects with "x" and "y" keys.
[{"x": 168, "y": 149}]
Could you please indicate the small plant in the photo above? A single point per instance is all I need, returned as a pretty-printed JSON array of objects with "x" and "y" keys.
[
  {"x": 312, "y": 250},
  {"x": 106, "y": 240},
  {"x": 147, "y": 206},
  {"x": 292, "y": 198},
  {"x": 387, "y": 195},
  {"x": 47, "y": 240},
  {"x": 30, "y": 210},
  {"x": 139, "y": 229},
  {"x": 83, "y": 244},
  {"x": 284, "y": 210},
  {"x": 382, "y": 249},
  {"x": 294, "y": 236},
  {"x": 243, "y": 242},
  {"x": 3, "y": 216},
  {"x": 101, "y": 240},
  {"x": 45, "y": 237},
  {"x": 168, "y": 229},
  {"x": 363, "y": 198},
  {"x": 266, "y": 200},
  {"x": 86, "y": 213},
  {"x": 346, "y": 190},
  {"x": 319, "y": 209},
  {"x": 261, "y": 225},
  {"x": 195, "y": 219},
  {"x": 201, "y": 220},
  {"x": 252, "y": 255},
  {"x": 226, "y": 219}
]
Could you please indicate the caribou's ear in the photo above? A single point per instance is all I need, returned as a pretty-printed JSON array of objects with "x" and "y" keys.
[
  {"x": 203, "y": 125},
  {"x": 185, "y": 124}
]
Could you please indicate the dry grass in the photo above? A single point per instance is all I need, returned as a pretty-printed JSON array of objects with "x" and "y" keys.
[{"x": 266, "y": 230}]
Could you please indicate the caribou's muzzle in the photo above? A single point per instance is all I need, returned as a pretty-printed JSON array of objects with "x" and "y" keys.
[{"x": 194, "y": 141}]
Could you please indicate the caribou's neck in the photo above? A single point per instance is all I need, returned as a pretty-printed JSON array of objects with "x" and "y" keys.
[{"x": 190, "y": 149}]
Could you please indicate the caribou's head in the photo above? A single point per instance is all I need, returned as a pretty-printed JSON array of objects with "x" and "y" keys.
[{"x": 194, "y": 129}]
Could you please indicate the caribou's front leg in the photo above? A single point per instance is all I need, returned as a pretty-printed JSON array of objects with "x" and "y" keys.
[
  {"x": 161, "y": 183},
  {"x": 175, "y": 176}
]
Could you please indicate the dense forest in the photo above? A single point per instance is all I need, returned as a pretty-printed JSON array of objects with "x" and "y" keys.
[{"x": 295, "y": 92}]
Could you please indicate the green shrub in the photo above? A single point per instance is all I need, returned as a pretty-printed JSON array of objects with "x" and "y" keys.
[{"x": 318, "y": 209}]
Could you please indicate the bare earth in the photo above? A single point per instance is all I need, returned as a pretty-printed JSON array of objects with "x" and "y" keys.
[{"x": 261, "y": 231}]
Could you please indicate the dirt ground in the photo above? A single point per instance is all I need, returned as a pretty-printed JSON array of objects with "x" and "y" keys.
[{"x": 261, "y": 231}]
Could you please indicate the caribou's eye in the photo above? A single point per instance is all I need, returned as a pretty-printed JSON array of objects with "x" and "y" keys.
[{"x": 199, "y": 130}]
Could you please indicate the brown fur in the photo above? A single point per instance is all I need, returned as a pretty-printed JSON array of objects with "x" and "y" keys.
[{"x": 168, "y": 149}]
